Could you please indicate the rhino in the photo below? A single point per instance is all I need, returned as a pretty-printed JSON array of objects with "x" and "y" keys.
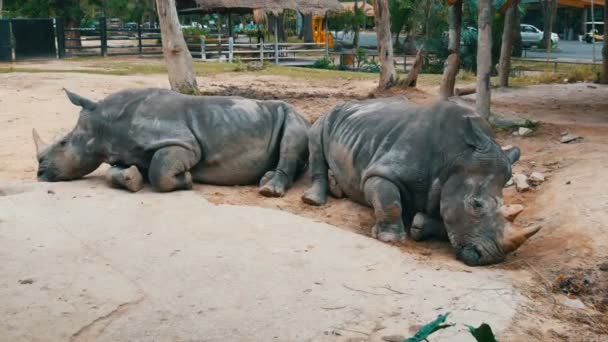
[
  {"x": 435, "y": 169},
  {"x": 172, "y": 140}
]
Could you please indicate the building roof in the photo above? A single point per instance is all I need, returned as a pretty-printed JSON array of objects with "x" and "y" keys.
[
  {"x": 368, "y": 9},
  {"x": 273, "y": 6},
  {"x": 570, "y": 3}
]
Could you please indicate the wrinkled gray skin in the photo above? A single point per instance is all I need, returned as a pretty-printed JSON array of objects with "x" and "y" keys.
[
  {"x": 174, "y": 139},
  {"x": 434, "y": 169}
]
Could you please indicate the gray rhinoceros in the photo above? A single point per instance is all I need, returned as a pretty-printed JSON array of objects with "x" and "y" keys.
[
  {"x": 175, "y": 139},
  {"x": 434, "y": 169}
]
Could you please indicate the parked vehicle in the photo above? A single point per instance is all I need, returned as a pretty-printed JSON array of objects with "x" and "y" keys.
[
  {"x": 530, "y": 35},
  {"x": 593, "y": 36}
]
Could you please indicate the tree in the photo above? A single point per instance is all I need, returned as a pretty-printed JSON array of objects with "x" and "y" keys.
[
  {"x": 605, "y": 51},
  {"x": 402, "y": 17},
  {"x": 306, "y": 32},
  {"x": 388, "y": 75},
  {"x": 508, "y": 35},
  {"x": 484, "y": 57},
  {"x": 452, "y": 63},
  {"x": 549, "y": 9},
  {"x": 356, "y": 28},
  {"x": 177, "y": 56}
]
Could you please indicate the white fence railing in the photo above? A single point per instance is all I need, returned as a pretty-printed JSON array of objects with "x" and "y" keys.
[{"x": 229, "y": 51}]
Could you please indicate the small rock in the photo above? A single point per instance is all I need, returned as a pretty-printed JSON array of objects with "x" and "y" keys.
[
  {"x": 569, "y": 138},
  {"x": 536, "y": 178},
  {"x": 255, "y": 66},
  {"x": 515, "y": 133},
  {"x": 564, "y": 133},
  {"x": 394, "y": 338},
  {"x": 26, "y": 281},
  {"x": 521, "y": 182},
  {"x": 573, "y": 303},
  {"x": 592, "y": 86},
  {"x": 508, "y": 147},
  {"x": 604, "y": 266},
  {"x": 509, "y": 182},
  {"x": 568, "y": 182},
  {"x": 50, "y": 192},
  {"x": 511, "y": 211},
  {"x": 524, "y": 131}
]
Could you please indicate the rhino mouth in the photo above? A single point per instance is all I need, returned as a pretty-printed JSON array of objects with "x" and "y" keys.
[
  {"x": 46, "y": 175},
  {"x": 480, "y": 254}
]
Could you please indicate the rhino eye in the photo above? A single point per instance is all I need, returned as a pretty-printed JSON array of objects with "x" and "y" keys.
[
  {"x": 62, "y": 143},
  {"x": 477, "y": 204}
]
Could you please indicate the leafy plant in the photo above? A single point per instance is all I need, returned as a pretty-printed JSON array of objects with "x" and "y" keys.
[
  {"x": 324, "y": 63},
  {"x": 483, "y": 333},
  {"x": 430, "y": 328},
  {"x": 238, "y": 65},
  {"x": 372, "y": 67},
  {"x": 193, "y": 32}
]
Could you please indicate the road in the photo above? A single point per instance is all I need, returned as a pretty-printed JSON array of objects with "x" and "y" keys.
[
  {"x": 569, "y": 50},
  {"x": 572, "y": 50}
]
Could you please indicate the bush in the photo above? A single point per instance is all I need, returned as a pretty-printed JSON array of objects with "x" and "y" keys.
[
  {"x": 324, "y": 63},
  {"x": 193, "y": 32},
  {"x": 372, "y": 67}
]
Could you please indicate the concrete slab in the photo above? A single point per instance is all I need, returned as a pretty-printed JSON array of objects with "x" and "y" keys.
[{"x": 82, "y": 262}]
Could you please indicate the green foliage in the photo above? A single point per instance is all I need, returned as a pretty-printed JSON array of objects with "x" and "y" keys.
[
  {"x": 324, "y": 63},
  {"x": 372, "y": 67},
  {"x": 483, "y": 333},
  {"x": 346, "y": 20},
  {"x": 430, "y": 328},
  {"x": 193, "y": 32},
  {"x": 238, "y": 65}
]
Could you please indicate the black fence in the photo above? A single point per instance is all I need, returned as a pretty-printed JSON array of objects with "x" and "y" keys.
[{"x": 105, "y": 41}]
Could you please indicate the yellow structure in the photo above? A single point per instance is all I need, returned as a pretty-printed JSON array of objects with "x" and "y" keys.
[{"x": 319, "y": 34}]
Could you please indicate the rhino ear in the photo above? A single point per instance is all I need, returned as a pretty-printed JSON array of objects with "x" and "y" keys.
[
  {"x": 513, "y": 153},
  {"x": 81, "y": 101},
  {"x": 474, "y": 135}
]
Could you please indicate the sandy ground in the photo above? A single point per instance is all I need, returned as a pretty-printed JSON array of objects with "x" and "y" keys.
[{"x": 556, "y": 270}]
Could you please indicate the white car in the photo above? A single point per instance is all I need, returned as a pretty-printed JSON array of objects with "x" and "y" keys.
[{"x": 530, "y": 35}]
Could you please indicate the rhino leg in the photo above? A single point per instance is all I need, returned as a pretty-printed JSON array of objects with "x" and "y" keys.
[
  {"x": 425, "y": 227},
  {"x": 292, "y": 152},
  {"x": 125, "y": 178},
  {"x": 385, "y": 198},
  {"x": 317, "y": 193},
  {"x": 169, "y": 169},
  {"x": 334, "y": 188}
]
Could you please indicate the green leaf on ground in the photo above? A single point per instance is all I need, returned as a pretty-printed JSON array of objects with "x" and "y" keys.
[
  {"x": 483, "y": 333},
  {"x": 430, "y": 328}
]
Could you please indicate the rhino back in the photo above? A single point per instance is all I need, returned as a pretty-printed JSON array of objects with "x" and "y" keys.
[
  {"x": 396, "y": 140},
  {"x": 236, "y": 138}
]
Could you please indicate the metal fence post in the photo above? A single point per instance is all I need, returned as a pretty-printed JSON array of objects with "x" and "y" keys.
[
  {"x": 203, "y": 52},
  {"x": 230, "y": 49},
  {"x": 103, "y": 36},
  {"x": 276, "y": 40},
  {"x": 60, "y": 32},
  {"x": 261, "y": 52},
  {"x": 139, "y": 39}
]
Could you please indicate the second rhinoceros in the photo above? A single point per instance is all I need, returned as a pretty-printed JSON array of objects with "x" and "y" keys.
[
  {"x": 175, "y": 139},
  {"x": 436, "y": 170}
]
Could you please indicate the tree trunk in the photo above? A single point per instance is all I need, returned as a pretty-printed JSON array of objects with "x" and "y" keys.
[
  {"x": 605, "y": 51},
  {"x": 549, "y": 8},
  {"x": 72, "y": 23},
  {"x": 177, "y": 56},
  {"x": 517, "y": 43},
  {"x": 356, "y": 34},
  {"x": 388, "y": 75},
  {"x": 282, "y": 33},
  {"x": 484, "y": 57},
  {"x": 448, "y": 81},
  {"x": 506, "y": 49},
  {"x": 0, "y": 9},
  {"x": 412, "y": 76}
]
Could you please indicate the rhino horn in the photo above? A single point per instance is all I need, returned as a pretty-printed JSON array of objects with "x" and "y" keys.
[
  {"x": 40, "y": 145},
  {"x": 514, "y": 238}
]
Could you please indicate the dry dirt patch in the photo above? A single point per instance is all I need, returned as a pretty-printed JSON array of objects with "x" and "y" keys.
[{"x": 571, "y": 205}]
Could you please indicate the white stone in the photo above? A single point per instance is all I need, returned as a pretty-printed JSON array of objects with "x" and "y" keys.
[
  {"x": 568, "y": 138},
  {"x": 536, "y": 178},
  {"x": 521, "y": 182},
  {"x": 524, "y": 131}
]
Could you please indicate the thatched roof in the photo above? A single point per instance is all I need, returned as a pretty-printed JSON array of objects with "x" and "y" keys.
[{"x": 274, "y": 6}]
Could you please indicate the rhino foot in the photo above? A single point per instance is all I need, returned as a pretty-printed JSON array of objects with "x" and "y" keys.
[
  {"x": 134, "y": 181},
  {"x": 425, "y": 227},
  {"x": 389, "y": 232},
  {"x": 273, "y": 184}
]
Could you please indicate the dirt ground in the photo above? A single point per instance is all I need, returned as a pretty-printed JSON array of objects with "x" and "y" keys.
[{"x": 559, "y": 270}]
